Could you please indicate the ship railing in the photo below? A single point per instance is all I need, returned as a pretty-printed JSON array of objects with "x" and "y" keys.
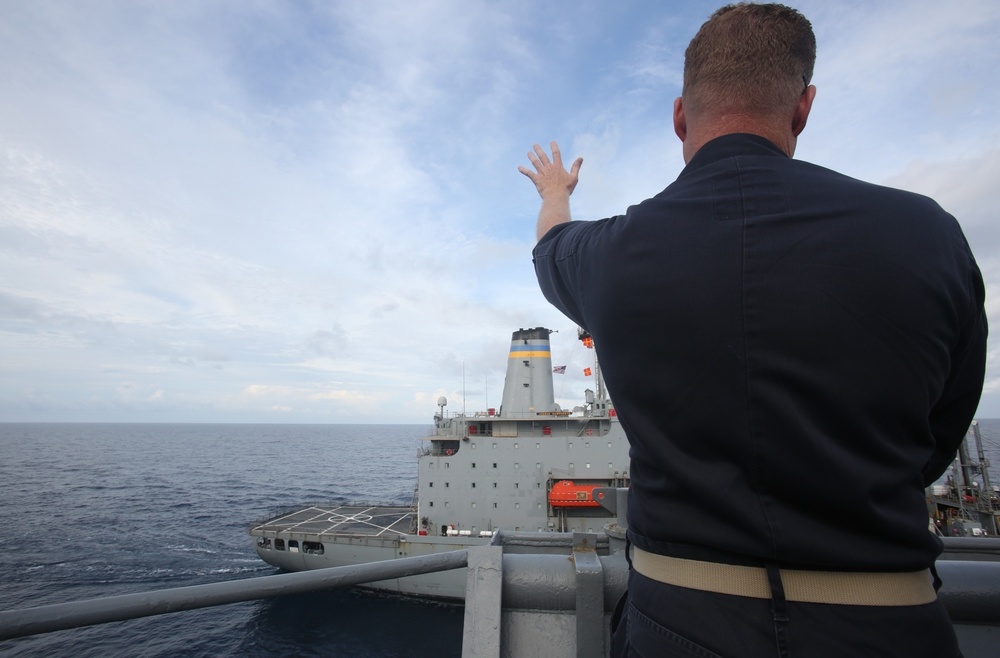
[
  {"x": 980, "y": 501},
  {"x": 571, "y": 598},
  {"x": 523, "y": 596},
  {"x": 76, "y": 614}
]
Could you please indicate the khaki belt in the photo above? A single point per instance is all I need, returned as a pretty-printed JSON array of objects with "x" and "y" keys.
[{"x": 831, "y": 587}]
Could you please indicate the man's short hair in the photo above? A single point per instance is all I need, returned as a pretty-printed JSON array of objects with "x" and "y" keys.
[{"x": 749, "y": 58}]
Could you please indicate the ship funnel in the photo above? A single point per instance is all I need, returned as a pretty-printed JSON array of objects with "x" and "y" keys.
[{"x": 527, "y": 390}]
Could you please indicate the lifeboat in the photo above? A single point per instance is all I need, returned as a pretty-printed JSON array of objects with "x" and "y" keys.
[{"x": 566, "y": 493}]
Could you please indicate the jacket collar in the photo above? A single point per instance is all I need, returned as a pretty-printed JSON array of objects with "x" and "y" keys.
[{"x": 731, "y": 146}]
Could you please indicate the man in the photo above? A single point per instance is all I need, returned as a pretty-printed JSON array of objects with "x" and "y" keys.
[{"x": 794, "y": 355}]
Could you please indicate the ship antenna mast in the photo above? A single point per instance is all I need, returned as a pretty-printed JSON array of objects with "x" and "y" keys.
[
  {"x": 588, "y": 341},
  {"x": 600, "y": 378}
]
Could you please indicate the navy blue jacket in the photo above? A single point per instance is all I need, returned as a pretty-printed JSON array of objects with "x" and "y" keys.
[{"x": 794, "y": 355}]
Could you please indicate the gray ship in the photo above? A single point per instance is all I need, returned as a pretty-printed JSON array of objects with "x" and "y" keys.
[{"x": 528, "y": 467}]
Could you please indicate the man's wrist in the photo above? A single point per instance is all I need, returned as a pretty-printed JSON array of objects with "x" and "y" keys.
[{"x": 555, "y": 196}]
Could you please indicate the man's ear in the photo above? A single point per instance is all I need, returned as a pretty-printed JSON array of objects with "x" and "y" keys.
[
  {"x": 680, "y": 122},
  {"x": 802, "y": 110}
]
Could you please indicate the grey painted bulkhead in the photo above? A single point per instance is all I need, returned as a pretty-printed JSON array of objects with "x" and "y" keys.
[{"x": 495, "y": 482}]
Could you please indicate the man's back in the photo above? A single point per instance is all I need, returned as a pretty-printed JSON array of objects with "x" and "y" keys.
[{"x": 785, "y": 346}]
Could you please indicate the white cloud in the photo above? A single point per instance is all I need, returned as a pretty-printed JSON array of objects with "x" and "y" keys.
[{"x": 222, "y": 211}]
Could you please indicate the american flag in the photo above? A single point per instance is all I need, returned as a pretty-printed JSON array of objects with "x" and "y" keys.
[{"x": 559, "y": 370}]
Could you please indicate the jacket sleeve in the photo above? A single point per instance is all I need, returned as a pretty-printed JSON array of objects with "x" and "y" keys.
[
  {"x": 556, "y": 259},
  {"x": 955, "y": 410}
]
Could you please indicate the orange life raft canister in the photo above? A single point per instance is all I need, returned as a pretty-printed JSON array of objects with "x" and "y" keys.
[{"x": 566, "y": 493}]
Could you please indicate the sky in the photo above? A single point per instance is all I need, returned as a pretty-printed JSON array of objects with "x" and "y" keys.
[{"x": 310, "y": 212}]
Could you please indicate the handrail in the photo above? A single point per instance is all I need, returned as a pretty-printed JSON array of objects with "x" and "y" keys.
[
  {"x": 542, "y": 581},
  {"x": 74, "y": 614}
]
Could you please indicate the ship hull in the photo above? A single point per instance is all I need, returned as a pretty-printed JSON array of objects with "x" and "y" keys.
[{"x": 339, "y": 551}]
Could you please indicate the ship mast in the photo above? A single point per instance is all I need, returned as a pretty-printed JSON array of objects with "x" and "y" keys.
[
  {"x": 600, "y": 378},
  {"x": 588, "y": 342}
]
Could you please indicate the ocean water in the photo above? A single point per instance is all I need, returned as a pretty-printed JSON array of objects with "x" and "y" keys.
[{"x": 94, "y": 510}]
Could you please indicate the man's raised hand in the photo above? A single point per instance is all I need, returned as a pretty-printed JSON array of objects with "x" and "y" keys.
[{"x": 550, "y": 176}]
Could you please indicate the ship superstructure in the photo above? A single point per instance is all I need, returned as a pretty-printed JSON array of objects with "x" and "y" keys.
[
  {"x": 528, "y": 466},
  {"x": 966, "y": 503}
]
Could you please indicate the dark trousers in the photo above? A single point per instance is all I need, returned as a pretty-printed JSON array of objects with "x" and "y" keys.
[{"x": 664, "y": 620}]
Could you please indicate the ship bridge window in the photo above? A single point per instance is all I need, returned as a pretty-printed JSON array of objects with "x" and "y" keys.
[
  {"x": 447, "y": 484},
  {"x": 430, "y": 484},
  {"x": 279, "y": 544},
  {"x": 431, "y": 503},
  {"x": 312, "y": 547},
  {"x": 473, "y": 464},
  {"x": 473, "y": 485}
]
